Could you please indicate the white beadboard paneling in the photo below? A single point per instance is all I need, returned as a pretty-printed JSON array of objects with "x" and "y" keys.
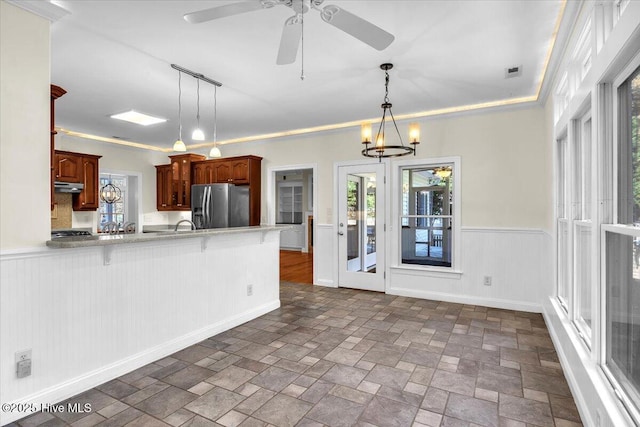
[
  {"x": 87, "y": 322},
  {"x": 516, "y": 259},
  {"x": 325, "y": 256}
]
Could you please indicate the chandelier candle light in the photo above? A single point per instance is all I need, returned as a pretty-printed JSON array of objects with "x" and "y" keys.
[{"x": 380, "y": 149}]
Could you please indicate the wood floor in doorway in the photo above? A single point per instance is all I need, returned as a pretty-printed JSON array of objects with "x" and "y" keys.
[{"x": 296, "y": 267}]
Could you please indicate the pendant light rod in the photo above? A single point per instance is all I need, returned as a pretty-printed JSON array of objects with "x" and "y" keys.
[{"x": 196, "y": 75}]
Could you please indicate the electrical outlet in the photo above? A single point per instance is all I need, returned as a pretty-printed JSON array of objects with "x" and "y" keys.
[
  {"x": 23, "y": 355},
  {"x": 487, "y": 280},
  {"x": 23, "y": 363},
  {"x": 249, "y": 290}
]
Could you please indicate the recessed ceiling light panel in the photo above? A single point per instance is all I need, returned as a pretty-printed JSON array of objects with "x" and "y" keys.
[{"x": 138, "y": 118}]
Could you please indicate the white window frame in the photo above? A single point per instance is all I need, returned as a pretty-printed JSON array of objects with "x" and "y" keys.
[
  {"x": 582, "y": 219},
  {"x": 396, "y": 214},
  {"x": 612, "y": 224}
]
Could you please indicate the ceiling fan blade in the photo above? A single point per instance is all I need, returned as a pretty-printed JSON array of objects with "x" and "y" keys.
[
  {"x": 222, "y": 11},
  {"x": 351, "y": 24},
  {"x": 290, "y": 41}
]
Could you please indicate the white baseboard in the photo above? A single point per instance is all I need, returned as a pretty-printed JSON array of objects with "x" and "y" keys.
[
  {"x": 325, "y": 282},
  {"x": 77, "y": 385},
  {"x": 462, "y": 299}
]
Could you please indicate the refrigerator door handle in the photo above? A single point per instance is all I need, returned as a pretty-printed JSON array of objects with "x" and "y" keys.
[{"x": 205, "y": 204}]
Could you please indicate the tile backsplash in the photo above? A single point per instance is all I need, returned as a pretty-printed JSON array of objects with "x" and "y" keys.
[{"x": 62, "y": 211}]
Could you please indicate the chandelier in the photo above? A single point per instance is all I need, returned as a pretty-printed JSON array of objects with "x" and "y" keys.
[
  {"x": 109, "y": 193},
  {"x": 380, "y": 149}
]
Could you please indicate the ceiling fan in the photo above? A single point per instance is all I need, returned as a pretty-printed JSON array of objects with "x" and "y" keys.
[{"x": 351, "y": 24}]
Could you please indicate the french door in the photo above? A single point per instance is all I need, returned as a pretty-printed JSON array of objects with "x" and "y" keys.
[{"x": 361, "y": 227}]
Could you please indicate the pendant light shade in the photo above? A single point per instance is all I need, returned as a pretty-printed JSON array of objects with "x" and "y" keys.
[
  {"x": 198, "y": 134},
  {"x": 215, "y": 152},
  {"x": 179, "y": 145}
]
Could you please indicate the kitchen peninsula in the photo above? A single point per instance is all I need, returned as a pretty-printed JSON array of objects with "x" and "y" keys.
[{"x": 133, "y": 299}]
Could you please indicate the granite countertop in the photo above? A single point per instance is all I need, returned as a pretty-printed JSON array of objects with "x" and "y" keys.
[{"x": 117, "y": 239}]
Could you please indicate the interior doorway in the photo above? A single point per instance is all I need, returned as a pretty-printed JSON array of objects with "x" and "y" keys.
[{"x": 292, "y": 201}]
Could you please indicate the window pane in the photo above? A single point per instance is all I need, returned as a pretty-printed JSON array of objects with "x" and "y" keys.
[
  {"x": 563, "y": 262},
  {"x": 583, "y": 272},
  {"x": 586, "y": 168},
  {"x": 629, "y": 176},
  {"x": 622, "y": 310},
  {"x": 426, "y": 236},
  {"x": 562, "y": 147}
]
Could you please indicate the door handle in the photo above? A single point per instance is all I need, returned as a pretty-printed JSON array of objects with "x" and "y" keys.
[{"x": 340, "y": 233}]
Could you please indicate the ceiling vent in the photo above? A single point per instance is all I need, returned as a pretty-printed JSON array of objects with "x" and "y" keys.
[{"x": 515, "y": 71}]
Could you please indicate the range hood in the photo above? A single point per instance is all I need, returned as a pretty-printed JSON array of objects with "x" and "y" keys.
[{"x": 68, "y": 187}]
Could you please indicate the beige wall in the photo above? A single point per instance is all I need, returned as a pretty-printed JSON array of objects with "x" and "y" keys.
[
  {"x": 24, "y": 129},
  {"x": 506, "y": 163}
]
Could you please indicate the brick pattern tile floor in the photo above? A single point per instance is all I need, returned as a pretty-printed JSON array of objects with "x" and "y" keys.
[{"x": 342, "y": 357}]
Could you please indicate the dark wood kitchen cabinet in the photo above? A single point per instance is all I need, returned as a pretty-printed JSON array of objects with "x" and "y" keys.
[
  {"x": 56, "y": 92},
  {"x": 79, "y": 167},
  {"x": 88, "y": 199},
  {"x": 68, "y": 166},
  {"x": 163, "y": 188},
  {"x": 174, "y": 191}
]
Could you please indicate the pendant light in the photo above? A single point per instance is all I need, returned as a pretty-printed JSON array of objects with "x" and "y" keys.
[
  {"x": 179, "y": 145},
  {"x": 197, "y": 134},
  {"x": 380, "y": 148},
  {"x": 215, "y": 151},
  {"x": 110, "y": 193}
]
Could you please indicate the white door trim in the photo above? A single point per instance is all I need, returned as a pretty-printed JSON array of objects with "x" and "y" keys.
[{"x": 272, "y": 203}]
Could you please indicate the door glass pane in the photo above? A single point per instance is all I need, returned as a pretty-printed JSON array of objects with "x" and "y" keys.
[
  {"x": 361, "y": 223},
  {"x": 353, "y": 222}
]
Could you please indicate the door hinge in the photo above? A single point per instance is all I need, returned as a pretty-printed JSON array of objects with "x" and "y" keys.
[
  {"x": 384, "y": 274},
  {"x": 384, "y": 227},
  {"x": 384, "y": 179}
]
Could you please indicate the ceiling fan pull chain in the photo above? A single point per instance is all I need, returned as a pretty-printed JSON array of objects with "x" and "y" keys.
[{"x": 302, "y": 53}]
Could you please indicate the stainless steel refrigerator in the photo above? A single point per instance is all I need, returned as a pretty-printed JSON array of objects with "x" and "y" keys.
[{"x": 219, "y": 205}]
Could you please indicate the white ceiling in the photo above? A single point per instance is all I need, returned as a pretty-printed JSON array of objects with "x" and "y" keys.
[{"x": 113, "y": 56}]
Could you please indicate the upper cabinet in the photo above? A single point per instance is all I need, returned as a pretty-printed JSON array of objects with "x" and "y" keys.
[
  {"x": 233, "y": 170},
  {"x": 56, "y": 92},
  {"x": 88, "y": 199},
  {"x": 174, "y": 183},
  {"x": 79, "y": 167},
  {"x": 67, "y": 166}
]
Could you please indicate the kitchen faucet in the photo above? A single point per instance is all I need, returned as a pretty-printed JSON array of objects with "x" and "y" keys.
[{"x": 193, "y": 226}]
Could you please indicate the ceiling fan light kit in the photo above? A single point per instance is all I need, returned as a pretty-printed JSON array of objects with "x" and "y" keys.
[{"x": 380, "y": 149}]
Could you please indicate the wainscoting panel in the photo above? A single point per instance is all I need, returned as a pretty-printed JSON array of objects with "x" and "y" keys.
[
  {"x": 325, "y": 255},
  {"x": 87, "y": 322},
  {"x": 517, "y": 260}
]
